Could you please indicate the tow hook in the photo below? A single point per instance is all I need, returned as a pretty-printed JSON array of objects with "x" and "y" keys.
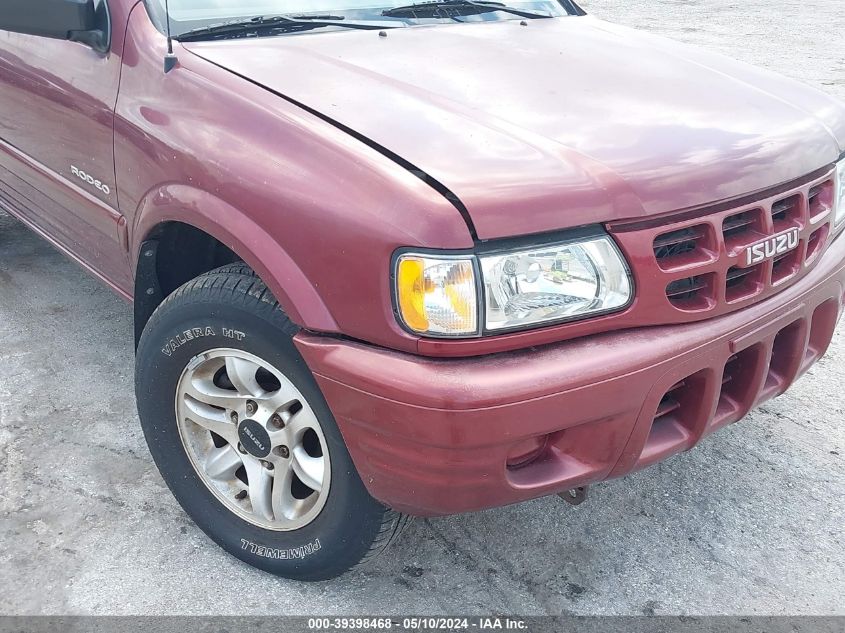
[{"x": 574, "y": 496}]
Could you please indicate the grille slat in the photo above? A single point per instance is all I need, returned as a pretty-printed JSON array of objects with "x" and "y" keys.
[
  {"x": 820, "y": 199},
  {"x": 675, "y": 243},
  {"x": 783, "y": 209},
  {"x": 685, "y": 288},
  {"x": 816, "y": 242},
  {"x": 781, "y": 205},
  {"x": 676, "y": 237},
  {"x": 738, "y": 273},
  {"x": 743, "y": 283},
  {"x": 736, "y": 224}
]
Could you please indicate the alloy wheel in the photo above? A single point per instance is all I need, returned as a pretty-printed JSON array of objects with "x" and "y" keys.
[{"x": 253, "y": 439}]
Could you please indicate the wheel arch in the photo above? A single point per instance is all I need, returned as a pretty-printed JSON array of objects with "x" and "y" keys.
[{"x": 181, "y": 232}]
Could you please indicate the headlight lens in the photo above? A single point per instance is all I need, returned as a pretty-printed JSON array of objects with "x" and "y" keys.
[
  {"x": 554, "y": 283},
  {"x": 839, "y": 194},
  {"x": 437, "y": 295}
]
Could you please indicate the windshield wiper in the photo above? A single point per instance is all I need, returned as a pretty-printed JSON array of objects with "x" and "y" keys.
[
  {"x": 457, "y": 8},
  {"x": 276, "y": 23}
]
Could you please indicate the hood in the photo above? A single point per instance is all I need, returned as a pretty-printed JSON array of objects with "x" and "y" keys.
[{"x": 554, "y": 124}]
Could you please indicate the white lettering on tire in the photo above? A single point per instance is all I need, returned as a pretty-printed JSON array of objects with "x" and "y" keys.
[
  {"x": 183, "y": 337},
  {"x": 281, "y": 554},
  {"x": 235, "y": 334}
]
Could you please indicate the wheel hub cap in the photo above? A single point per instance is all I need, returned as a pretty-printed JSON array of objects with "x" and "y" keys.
[{"x": 254, "y": 439}]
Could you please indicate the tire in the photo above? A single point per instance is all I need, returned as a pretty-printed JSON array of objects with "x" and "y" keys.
[{"x": 229, "y": 316}]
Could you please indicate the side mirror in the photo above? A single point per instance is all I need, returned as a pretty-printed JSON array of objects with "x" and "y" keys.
[{"x": 84, "y": 21}]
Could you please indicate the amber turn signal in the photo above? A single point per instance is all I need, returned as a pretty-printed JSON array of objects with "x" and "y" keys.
[{"x": 437, "y": 296}]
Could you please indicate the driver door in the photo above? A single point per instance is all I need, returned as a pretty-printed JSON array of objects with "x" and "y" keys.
[{"x": 56, "y": 143}]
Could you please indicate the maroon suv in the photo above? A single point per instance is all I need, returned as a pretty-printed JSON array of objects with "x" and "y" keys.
[{"x": 394, "y": 259}]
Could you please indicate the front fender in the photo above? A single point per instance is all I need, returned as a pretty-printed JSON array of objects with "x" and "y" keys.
[{"x": 243, "y": 236}]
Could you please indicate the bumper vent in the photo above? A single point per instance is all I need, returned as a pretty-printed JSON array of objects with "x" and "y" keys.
[{"x": 726, "y": 389}]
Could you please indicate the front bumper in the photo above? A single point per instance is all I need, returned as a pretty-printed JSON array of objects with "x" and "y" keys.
[{"x": 433, "y": 436}]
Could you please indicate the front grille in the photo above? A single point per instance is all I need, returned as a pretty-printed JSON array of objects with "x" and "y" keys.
[{"x": 702, "y": 266}]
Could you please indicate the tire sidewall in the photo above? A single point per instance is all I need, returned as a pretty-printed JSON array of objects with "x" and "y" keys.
[{"x": 348, "y": 523}]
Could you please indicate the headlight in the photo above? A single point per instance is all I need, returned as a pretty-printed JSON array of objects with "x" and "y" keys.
[
  {"x": 554, "y": 283},
  {"x": 439, "y": 295},
  {"x": 839, "y": 194}
]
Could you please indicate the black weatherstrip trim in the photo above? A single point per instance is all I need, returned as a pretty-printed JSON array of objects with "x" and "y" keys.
[
  {"x": 573, "y": 7},
  {"x": 435, "y": 184}
]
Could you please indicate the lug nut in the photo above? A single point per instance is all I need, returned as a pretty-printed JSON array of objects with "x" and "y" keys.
[
  {"x": 241, "y": 448},
  {"x": 234, "y": 417},
  {"x": 282, "y": 451},
  {"x": 241, "y": 495},
  {"x": 267, "y": 465},
  {"x": 277, "y": 421},
  {"x": 251, "y": 407}
]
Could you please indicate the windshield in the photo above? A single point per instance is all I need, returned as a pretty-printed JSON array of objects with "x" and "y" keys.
[{"x": 189, "y": 15}]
